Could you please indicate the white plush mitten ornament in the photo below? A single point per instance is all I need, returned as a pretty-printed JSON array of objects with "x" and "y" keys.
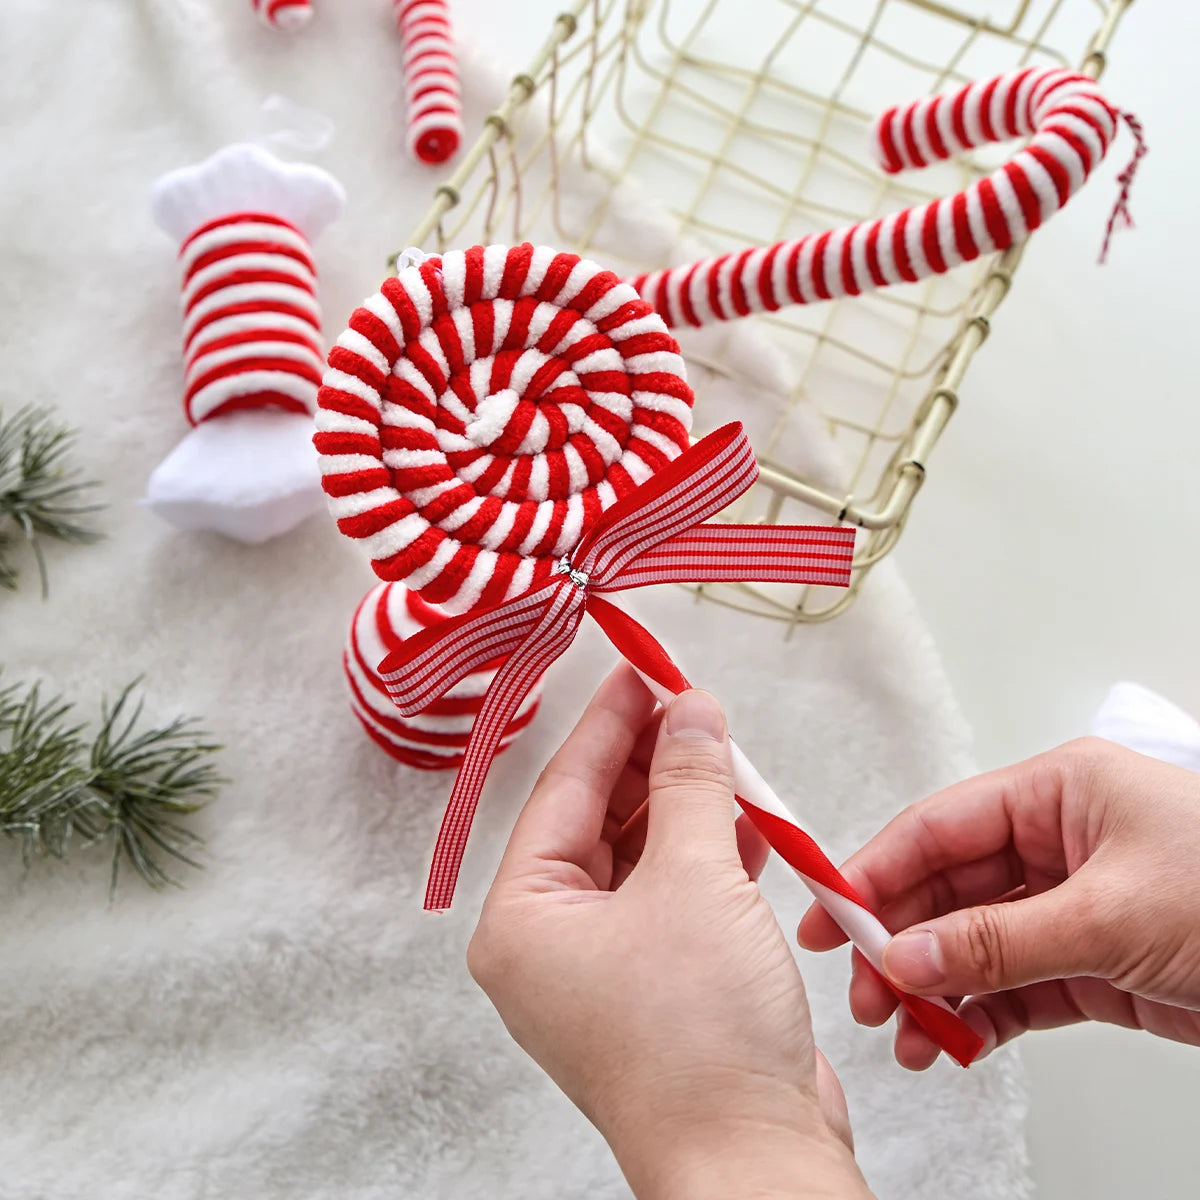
[{"x": 245, "y": 223}]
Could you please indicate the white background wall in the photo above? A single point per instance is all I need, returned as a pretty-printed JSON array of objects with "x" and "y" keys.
[
  {"x": 1054, "y": 548},
  {"x": 1055, "y": 551}
]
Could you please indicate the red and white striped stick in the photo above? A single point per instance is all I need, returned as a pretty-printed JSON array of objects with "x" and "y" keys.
[
  {"x": 786, "y": 837},
  {"x": 1071, "y": 126},
  {"x": 431, "y": 83}
]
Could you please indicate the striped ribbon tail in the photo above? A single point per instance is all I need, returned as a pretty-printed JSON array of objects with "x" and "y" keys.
[
  {"x": 553, "y": 634},
  {"x": 735, "y": 553}
]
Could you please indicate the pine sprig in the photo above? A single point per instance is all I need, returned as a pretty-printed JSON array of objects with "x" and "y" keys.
[
  {"x": 41, "y": 491},
  {"x": 125, "y": 785}
]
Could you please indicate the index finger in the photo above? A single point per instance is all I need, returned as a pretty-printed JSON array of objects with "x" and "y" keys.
[
  {"x": 959, "y": 825},
  {"x": 556, "y": 835}
]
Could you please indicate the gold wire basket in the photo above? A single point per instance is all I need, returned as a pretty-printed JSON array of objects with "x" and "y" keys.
[{"x": 743, "y": 122}]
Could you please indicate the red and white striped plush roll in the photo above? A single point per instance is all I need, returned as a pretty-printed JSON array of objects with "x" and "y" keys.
[
  {"x": 252, "y": 340},
  {"x": 1072, "y": 127},
  {"x": 435, "y": 739},
  {"x": 251, "y": 325},
  {"x": 484, "y": 407},
  {"x": 283, "y": 14},
  {"x": 431, "y": 84}
]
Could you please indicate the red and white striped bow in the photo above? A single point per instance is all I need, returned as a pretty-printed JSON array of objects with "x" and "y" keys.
[{"x": 654, "y": 535}]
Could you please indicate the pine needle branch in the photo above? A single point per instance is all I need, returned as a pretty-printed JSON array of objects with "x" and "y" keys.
[
  {"x": 127, "y": 785},
  {"x": 41, "y": 491}
]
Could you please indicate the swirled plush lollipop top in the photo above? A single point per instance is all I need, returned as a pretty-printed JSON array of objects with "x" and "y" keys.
[{"x": 484, "y": 407}]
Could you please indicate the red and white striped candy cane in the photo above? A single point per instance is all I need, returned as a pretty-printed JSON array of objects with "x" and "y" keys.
[
  {"x": 431, "y": 83},
  {"x": 435, "y": 739},
  {"x": 245, "y": 222},
  {"x": 288, "y": 15},
  {"x": 1071, "y": 126}
]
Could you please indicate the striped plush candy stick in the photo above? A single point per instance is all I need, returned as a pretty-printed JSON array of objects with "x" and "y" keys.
[
  {"x": 288, "y": 15},
  {"x": 436, "y": 738},
  {"x": 431, "y": 86},
  {"x": 1071, "y": 127},
  {"x": 245, "y": 223}
]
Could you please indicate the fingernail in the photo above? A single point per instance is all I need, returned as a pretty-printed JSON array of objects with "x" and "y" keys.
[
  {"x": 982, "y": 1025},
  {"x": 914, "y": 960},
  {"x": 696, "y": 715}
]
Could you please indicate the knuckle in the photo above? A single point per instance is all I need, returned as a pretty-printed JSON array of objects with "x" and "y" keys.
[
  {"x": 489, "y": 961},
  {"x": 1087, "y": 757},
  {"x": 984, "y": 946},
  {"x": 702, "y": 766},
  {"x": 478, "y": 959}
]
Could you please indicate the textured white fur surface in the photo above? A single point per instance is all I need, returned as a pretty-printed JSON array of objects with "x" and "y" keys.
[{"x": 290, "y": 1024}]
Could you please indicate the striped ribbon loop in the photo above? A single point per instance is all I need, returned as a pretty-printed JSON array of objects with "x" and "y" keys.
[{"x": 655, "y": 534}]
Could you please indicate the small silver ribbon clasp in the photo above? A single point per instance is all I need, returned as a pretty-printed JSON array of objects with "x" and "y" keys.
[{"x": 577, "y": 577}]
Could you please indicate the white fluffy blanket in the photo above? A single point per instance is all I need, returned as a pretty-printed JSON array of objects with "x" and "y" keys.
[{"x": 290, "y": 1024}]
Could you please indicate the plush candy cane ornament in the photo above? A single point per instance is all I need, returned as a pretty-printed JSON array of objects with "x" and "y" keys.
[
  {"x": 1071, "y": 127},
  {"x": 431, "y": 85},
  {"x": 245, "y": 223},
  {"x": 435, "y": 739},
  {"x": 505, "y": 430}
]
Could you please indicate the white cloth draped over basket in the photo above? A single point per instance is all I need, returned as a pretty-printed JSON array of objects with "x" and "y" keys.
[{"x": 290, "y": 1023}]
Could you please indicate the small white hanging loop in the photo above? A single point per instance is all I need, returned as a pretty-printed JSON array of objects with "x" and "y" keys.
[
  {"x": 410, "y": 256},
  {"x": 297, "y": 128}
]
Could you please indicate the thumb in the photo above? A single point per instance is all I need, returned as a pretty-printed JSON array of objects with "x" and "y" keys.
[
  {"x": 691, "y": 781},
  {"x": 996, "y": 947}
]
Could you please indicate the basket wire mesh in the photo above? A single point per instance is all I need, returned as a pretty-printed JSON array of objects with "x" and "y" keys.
[{"x": 652, "y": 104}]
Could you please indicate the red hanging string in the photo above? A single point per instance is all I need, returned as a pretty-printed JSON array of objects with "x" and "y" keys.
[{"x": 1121, "y": 217}]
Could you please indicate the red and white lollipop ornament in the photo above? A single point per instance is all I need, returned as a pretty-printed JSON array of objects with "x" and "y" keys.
[
  {"x": 245, "y": 223},
  {"x": 505, "y": 429}
]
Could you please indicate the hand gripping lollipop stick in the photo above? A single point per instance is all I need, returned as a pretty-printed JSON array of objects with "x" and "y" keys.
[
  {"x": 245, "y": 223},
  {"x": 783, "y": 833}
]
